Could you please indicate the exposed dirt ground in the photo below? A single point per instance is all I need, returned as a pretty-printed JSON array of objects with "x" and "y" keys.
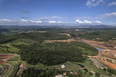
[
  {"x": 108, "y": 52},
  {"x": 21, "y": 67},
  {"x": 4, "y": 58},
  {"x": 50, "y": 41}
]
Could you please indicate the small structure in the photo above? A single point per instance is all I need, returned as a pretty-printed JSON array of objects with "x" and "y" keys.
[
  {"x": 64, "y": 73},
  {"x": 71, "y": 73},
  {"x": 59, "y": 76},
  {"x": 63, "y": 66},
  {"x": 75, "y": 73}
]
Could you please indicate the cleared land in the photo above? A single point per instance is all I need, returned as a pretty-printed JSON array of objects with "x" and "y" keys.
[
  {"x": 50, "y": 41},
  {"x": 97, "y": 63},
  {"x": 107, "y": 52},
  {"x": 4, "y": 58}
]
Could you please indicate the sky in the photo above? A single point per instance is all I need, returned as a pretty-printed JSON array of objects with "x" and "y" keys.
[{"x": 57, "y": 12}]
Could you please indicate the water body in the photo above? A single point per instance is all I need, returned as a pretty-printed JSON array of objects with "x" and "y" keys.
[{"x": 82, "y": 66}]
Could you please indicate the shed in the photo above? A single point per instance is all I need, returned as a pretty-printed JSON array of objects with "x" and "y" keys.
[{"x": 63, "y": 66}]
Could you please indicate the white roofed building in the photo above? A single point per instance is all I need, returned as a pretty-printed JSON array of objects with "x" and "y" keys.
[{"x": 63, "y": 66}]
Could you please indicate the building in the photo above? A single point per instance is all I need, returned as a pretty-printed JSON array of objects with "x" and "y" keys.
[
  {"x": 64, "y": 73},
  {"x": 63, "y": 66}
]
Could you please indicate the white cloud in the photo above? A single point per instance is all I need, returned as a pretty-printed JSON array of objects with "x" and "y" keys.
[
  {"x": 106, "y": 15},
  {"x": 56, "y": 22},
  {"x": 24, "y": 20},
  {"x": 100, "y": 16},
  {"x": 93, "y": 3},
  {"x": 30, "y": 21},
  {"x": 52, "y": 22},
  {"x": 60, "y": 22},
  {"x": 110, "y": 14},
  {"x": 112, "y": 3},
  {"x": 98, "y": 21},
  {"x": 51, "y": 18},
  {"x": 87, "y": 22},
  {"x": 7, "y": 20},
  {"x": 38, "y": 22}
]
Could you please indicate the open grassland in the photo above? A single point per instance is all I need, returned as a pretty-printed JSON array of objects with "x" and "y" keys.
[
  {"x": 69, "y": 66},
  {"x": 15, "y": 58},
  {"x": 91, "y": 66},
  {"x": 88, "y": 52},
  {"x": 8, "y": 48}
]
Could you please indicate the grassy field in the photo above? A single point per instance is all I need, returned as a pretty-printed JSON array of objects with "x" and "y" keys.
[
  {"x": 88, "y": 52},
  {"x": 90, "y": 66},
  {"x": 9, "y": 48},
  {"x": 69, "y": 66},
  {"x": 15, "y": 58}
]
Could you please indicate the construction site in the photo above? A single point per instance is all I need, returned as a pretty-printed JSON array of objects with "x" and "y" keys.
[
  {"x": 4, "y": 58},
  {"x": 107, "y": 54}
]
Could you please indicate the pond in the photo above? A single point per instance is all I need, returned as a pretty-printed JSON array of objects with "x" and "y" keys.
[{"x": 83, "y": 67}]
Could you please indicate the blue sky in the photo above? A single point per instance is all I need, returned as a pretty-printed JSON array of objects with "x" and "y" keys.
[{"x": 36, "y": 12}]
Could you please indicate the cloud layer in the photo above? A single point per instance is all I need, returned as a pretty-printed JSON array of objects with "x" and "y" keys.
[
  {"x": 88, "y": 22},
  {"x": 93, "y": 3},
  {"x": 106, "y": 15},
  {"x": 30, "y": 21},
  {"x": 25, "y": 11},
  {"x": 112, "y": 3},
  {"x": 7, "y": 20}
]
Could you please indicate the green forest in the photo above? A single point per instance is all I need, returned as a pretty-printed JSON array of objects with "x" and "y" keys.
[
  {"x": 33, "y": 50},
  {"x": 45, "y": 53},
  {"x": 33, "y": 72},
  {"x": 98, "y": 35},
  {"x": 53, "y": 53}
]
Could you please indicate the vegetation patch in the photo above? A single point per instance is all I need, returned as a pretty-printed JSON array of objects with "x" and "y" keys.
[
  {"x": 98, "y": 35},
  {"x": 15, "y": 58},
  {"x": 50, "y": 53}
]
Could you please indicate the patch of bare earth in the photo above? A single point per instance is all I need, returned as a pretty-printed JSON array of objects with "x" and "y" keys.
[
  {"x": 65, "y": 34},
  {"x": 21, "y": 67},
  {"x": 4, "y": 58},
  {"x": 50, "y": 41},
  {"x": 108, "y": 52}
]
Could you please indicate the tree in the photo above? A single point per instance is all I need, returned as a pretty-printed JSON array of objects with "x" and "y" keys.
[
  {"x": 90, "y": 73},
  {"x": 97, "y": 74}
]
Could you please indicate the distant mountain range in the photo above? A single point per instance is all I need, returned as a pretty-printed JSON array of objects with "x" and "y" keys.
[
  {"x": 94, "y": 26},
  {"x": 77, "y": 26}
]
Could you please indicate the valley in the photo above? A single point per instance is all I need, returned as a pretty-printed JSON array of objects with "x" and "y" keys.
[{"x": 48, "y": 51}]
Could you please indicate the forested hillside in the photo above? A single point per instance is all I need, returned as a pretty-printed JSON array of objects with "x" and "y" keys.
[
  {"x": 36, "y": 36},
  {"x": 33, "y": 72},
  {"x": 53, "y": 53},
  {"x": 40, "y": 37},
  {"x": 98, "y": 36}
]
